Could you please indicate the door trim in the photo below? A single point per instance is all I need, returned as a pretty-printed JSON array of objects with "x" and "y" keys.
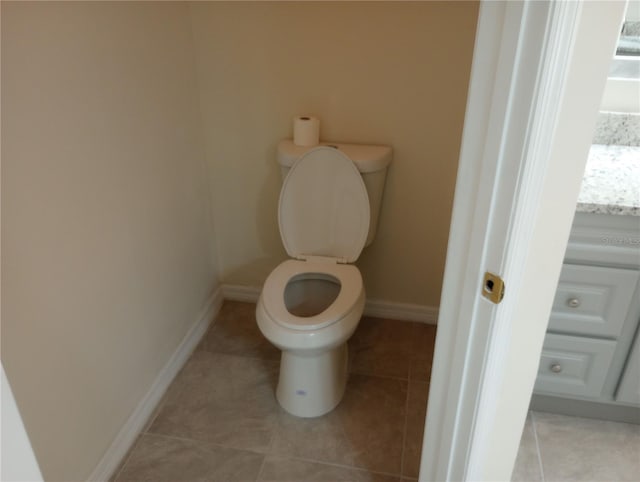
[{"x": 538, "y": 73}]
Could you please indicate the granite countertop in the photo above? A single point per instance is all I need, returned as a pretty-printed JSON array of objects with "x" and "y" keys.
[{"x": 611, "y": 183}]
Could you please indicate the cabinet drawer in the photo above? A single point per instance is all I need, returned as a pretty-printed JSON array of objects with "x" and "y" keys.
[
  {"x": 592, "y": 300},
  {"x": 572, "y": 365}
]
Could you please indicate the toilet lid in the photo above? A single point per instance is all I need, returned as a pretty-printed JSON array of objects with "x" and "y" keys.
[{"x": 324, "y": 207}]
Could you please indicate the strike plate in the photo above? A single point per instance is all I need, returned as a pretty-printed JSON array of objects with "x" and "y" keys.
[{"x": 493, "y": 287}]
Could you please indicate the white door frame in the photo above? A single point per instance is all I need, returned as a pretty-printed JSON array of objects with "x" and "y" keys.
[
  {"x": 17, "y": 460},
  {"x": 538, "y": 73}
]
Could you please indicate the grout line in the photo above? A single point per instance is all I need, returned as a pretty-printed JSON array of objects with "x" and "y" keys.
[
  {"x": 277, "y": 455},
  {"x": 535, "y": 437},
  {"x": 335, "y": 464},
  {"x": 125, "y": 461},
  {"x": 264, "y": 460},
  {"x": 252, "y": 357},
  {"x": 358, "y": 372},
  {"x": 404, "y": 430},
  {"x": 145, "y": 431},
  {"x": 199, "y": 441},
  {"x": 196, "y": 441},
  {"x": 161, "y": 404},
  {"x": 388, "y": 377},
  {"x": 175, "y": 437},
  {"x": 267, "y": 454}
]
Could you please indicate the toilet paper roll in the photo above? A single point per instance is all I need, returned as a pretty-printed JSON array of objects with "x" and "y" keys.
[{"x": 306, "y": 131}]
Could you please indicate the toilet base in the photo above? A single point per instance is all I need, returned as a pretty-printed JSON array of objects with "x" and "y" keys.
[{"x": 312, "y": 385}]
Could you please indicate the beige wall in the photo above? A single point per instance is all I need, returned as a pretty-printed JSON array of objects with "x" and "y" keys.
[
  {"x": 105, "y": 215},
  {"x": 383, "y": 72},
  {"x": 107, "y": 245}
]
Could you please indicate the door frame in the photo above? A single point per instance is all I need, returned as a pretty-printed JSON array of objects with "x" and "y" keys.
[
  {"x": 17, "y": 459},
  {"x": 538, "y": 73}
]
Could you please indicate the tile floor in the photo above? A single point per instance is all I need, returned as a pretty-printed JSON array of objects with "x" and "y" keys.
[
  {"x": 558, "y": 448},
  {"x": 220, "y": 420}
]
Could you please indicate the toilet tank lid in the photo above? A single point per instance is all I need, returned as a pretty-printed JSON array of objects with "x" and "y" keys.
[{"x": 367, "y": 158}]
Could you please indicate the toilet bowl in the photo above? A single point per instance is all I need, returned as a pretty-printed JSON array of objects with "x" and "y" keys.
[
  {"x": 310, "y": 305},
  {"x": 309, "y": 310}
]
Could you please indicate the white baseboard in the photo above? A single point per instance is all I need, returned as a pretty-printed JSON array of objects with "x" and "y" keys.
[
  {"x": 136, "y": 422},
  {"x": 248, "y": 294},
  {"x": 373, "y": 308},
  {"x": 401, "y": 311}
]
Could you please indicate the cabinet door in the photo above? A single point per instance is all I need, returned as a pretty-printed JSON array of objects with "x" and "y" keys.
[
  {"x": 574, "y": 365},
  {"x": 592, "y": 300},
  {"x": 629, "y": 388}
]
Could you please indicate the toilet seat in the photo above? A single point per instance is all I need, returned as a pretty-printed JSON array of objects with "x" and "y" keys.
[
  {"x": 324, "y": 207},
  {"x": 274, "y": 287}
]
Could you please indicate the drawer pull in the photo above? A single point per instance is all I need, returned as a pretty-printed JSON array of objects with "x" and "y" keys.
[
  {"x": 556, "y": 368},
  {"x": 573, "y": 302}
]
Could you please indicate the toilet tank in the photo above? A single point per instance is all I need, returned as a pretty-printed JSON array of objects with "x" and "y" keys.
[{"x": 372, "y": 161}]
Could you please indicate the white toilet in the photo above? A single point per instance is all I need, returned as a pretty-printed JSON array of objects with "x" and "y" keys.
[{"x": 311, "y": 305}]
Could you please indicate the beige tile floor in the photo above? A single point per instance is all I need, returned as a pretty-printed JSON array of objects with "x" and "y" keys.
[
  {"x": 558, "y": 448},
  {"x": 220, "y": 420}
]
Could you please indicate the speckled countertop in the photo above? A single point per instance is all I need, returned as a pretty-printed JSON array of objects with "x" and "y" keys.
[{"x": 611, "y": 183}]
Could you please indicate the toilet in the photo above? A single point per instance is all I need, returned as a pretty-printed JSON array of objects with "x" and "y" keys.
[{"x": 311, "y": 304}]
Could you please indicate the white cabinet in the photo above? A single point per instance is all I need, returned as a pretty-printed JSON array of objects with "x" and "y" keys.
[
  {"x": 593, "y": 300},
  {"x": 574, "y": 365},
  {"x": 590, "y": 365}
]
